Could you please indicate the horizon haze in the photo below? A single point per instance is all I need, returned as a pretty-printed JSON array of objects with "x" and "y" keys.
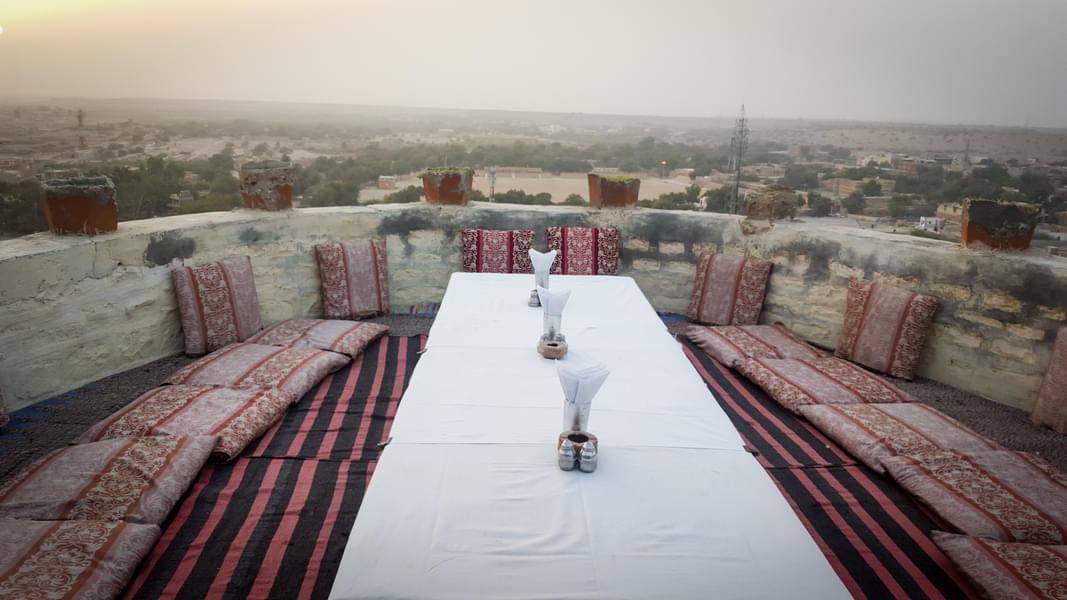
[{"x": 953, "y": 62}]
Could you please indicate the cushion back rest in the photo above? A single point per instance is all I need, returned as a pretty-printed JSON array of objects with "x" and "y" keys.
[
  {"x": 218, "y": 304},
  {"x": 494, "y": 251},
  {"x": 728, "y": 290},
  {"x": 355, "y": 279},
  {"x": 584, "y": 250}
]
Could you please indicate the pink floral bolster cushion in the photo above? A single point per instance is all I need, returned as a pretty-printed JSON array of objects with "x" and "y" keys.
[
  {"x": 885, "y": 327},
  {"x": 584, "y": 250},
  {"x": 354, "y": 278},
  {"x": 1008, "y": 571},
  {"x": 794, "y": 383},
  {"x": 345, "y": 337},
  {"x": 129, "y": 479},
  {"x": 1051, "y": 407},
  {"x": 493, "y": 251},
  {"x": 871, "y": 432},
  {"x": 71, "y": 560},
  {"x": 293, "y": 370},
  {"x": 218, "y": 304},
  {"x": 236, "y": 415},
  {"x": 728, "y": 290},
  {"x": 730, "y": 344},
  {"x": 1002, "y": 495}
]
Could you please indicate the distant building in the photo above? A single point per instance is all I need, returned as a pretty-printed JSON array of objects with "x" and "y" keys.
[
  {"x": 764, "y": 171},
  {"x": 846, "y": 187},
  {"x": 950, "y": 212},
  {"x": 908, "y": 167},
  {"x": 190, "y": 178},
  {"x": 387, "y": 182},
  {"x": 865, "y": 159},
  {"x": 605, "y": 170}
]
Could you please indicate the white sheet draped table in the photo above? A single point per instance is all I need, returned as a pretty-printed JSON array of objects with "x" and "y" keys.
[{"x": 467, "y": 501}]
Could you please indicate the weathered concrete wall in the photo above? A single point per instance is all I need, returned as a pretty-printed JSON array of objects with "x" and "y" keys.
[{"x": 74, "y": 309}]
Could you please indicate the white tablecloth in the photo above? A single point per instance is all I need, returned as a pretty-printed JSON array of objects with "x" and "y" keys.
[{"x": 467, "y": 500}]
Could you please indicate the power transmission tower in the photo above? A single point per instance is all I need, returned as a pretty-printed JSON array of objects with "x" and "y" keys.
[{"x": 738, "y": 145}]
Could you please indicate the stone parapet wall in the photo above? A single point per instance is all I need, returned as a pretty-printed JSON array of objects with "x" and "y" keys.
[{"x": 74, "y": 309}]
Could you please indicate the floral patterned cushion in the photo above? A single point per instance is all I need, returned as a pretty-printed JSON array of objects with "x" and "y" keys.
[
  {"x": 794, "y": 382},
  {"x": 294, "y": 370},
  {"x": 1002, "y": 495},
  {"x": 70, "y": 560},
  {"x": 1051, "y": 407},
  {"x": 492, "y": 251},
  {"x": 885, "y": 327},
  {"x": 1007, "y": 571},
  {"x": 355, "y": 279},
  {"x": 872, "y": 432},
  {"x": 730, "y": 344},
  {"x": 584, "y": 250},
  {"x": 130, "y": 479},
  {"x": 728, "y": 290},
  {"x": 236, "y": 415},
  {"x": 334, "y": 335},
  {"x": 218, "y": 304}
]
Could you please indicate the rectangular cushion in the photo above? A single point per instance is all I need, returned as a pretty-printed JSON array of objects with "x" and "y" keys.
[
  {"x": 794, "y": 383},
  {"x": 294, "y": 370},
  {"x": 871, "y": 432},
  {"x": 218, "y": 304},
  {"x": 334, "y": 335},
  {"x": 1051, "y": 407},
  {"x": 493, "y": 251},
  {"x": 885, "y": 327},
  {"x": 129, "y": 479},
  {"x": 728, "y": 290},
  {"x": 584, "y": 250},
  {"x": 354, "y": 278},
  {"x": 1003, "y": 495},
  {"x": 70, "y": 560},
  {"x": 730, "y": 344},
  {"x": 236, "y": 415},
  {"x": 1008, "y": 571}
]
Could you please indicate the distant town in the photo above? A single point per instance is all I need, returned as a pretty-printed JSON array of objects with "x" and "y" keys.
[{"x": 170, "y": 157}]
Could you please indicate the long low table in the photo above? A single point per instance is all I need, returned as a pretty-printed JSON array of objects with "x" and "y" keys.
[{"x": 467, "y": 500}]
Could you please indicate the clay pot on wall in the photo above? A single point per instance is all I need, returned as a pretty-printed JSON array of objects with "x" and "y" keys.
[
  {"x": 447, "y": 185},
  {"x": 80, "y": 205},
  {"x": 613, "y": 192},
  {"x": 988, "y": 224},
  {"x": 267, "y": 185}
]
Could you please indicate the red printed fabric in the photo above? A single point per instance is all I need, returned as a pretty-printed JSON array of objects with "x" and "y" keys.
[
  {"x": 728, "y": 290},
  {"x": 130, "y": 479},
  {"x": 730, "y": 344},
  {"x": 885, "y": 327},
  {"x": 491, "y": 251},
  {"x": 1002, "y": 495},
  {"x": 322, "y": 334},
  {"x": 236, "y": 415},
  {"x": 584, "y": 250},
  {"x": 355, "y": 279},
  {"x": 871, "y": 432},
  {"x": 70, "y": 560},
  {"x": 1051, "y": 407},
  {"x": 1007, "y": 571},
  {"x": 794, "y": 383},
  {"x": 293, "y": 370},
  {"x": 218, "y": 304}
]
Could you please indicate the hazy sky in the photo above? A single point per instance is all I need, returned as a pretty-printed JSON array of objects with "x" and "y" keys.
[{"x": 998, "y": 62}]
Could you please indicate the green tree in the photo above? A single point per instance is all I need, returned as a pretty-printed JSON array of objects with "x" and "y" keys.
[
  {"x": 855, "y": 203},
  {"x": 899, "y": 206},
  {"x": 800, "y": 177},
  {"x": 819, "y": 205},
  {"x": 575, "y": 200},
  {"x": 872, "y": 188},
  {"x": 333, "y": 193},
  {"x": 412, "y": 193},
  {"x": 20, "y": 208}
]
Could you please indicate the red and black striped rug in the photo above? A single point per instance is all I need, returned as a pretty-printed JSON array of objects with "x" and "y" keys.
[
  {"x": 273, "y": 523},
  {"x": 875, "y": 535}
]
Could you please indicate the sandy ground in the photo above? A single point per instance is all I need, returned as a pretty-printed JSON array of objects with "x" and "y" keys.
[{"x": 559, "y": 186}]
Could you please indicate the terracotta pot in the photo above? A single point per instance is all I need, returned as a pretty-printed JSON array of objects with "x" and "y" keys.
[
  {"x": 998, "y": 226},
  {"x": 267, "y": 186},
  {"x": 80, "y": 205},
  {"x": 611, "y": 193},
  {"x": 447, "y": 186}
]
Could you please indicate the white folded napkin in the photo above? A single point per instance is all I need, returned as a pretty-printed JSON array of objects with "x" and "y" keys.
[
  {"x": 581, "y": 380},
  {"x": 552, "y": 304},
  {"x": 542, "y": 264}
]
